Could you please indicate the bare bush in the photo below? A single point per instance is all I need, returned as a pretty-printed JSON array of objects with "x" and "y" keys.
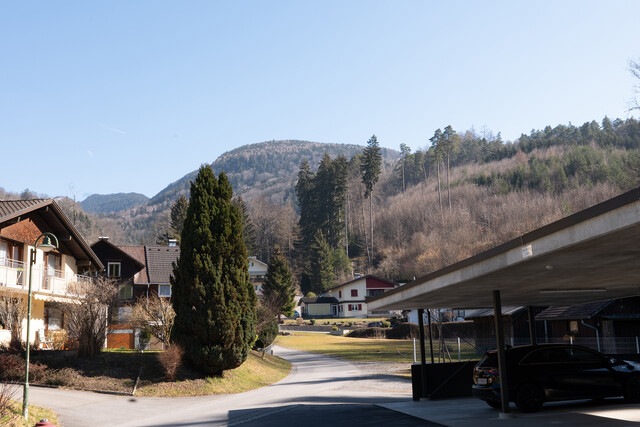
[
  {"x": 171, "y": 360},
  {"x": 12, "y": 311},
  {"x": 155, "y": 314},
  {"x": 88, "y": 315},
  {"x": 7, "y": 397}
]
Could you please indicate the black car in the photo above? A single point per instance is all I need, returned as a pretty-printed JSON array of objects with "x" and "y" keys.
[{"x": 553, "y": 372}]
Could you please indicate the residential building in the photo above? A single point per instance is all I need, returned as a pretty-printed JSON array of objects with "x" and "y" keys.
[
  {"x": 139, "y": 271},
  {"x": 22, "y": 222},
  {"x": 257, "y": 273},
  {"x": 321, "y": 306},
  {"x": 350, "y": 296}
]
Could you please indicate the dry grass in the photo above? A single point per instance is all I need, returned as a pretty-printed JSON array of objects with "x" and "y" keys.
[{"x": 36, "y": 413}]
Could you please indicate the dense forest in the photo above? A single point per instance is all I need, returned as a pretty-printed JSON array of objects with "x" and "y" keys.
[{"x": 463, "y": 194}]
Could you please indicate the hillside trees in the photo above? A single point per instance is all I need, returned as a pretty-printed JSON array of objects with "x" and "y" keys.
[
  {"x": 370, "y": 166},
  {"x": 214, "y": 301},
  {"x": 278, "y": 284},
  {"x": 248, "y": 228},
  {"x": 322, "y": 198}
]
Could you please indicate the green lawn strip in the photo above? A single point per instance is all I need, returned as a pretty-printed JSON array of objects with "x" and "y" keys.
[
  {"x": 36, "y": 413},
  {"x": 365, "y": 350},
  {"x": 255, "y": 372}
]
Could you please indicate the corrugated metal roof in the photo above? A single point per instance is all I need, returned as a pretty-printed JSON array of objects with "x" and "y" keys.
[
  {"x": 572, "y": 312},
  {"x": 488, "y": 312},
  {"x": 12, "y": 207}
]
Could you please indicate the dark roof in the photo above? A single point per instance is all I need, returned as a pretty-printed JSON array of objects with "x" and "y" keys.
[
  {"x": 364, "y": 277},
  {"x": 11, "y": 208},
  {"x": 136, "y": 259},
  {"x": 488, "y": 312},
  {"x": 49, "y": 217},
  {"x": 318, "y": 300},
  {"x": 572, "y": 312},
  {"x": 160, "y": 261}
]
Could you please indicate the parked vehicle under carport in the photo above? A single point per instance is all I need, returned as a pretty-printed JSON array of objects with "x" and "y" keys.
[{"x": 555, "y": 372}]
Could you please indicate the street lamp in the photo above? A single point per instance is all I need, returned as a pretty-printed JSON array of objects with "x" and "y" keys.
[{"x": 46, "y": 246}]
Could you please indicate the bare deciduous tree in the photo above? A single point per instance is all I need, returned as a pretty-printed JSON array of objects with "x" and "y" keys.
[
  {"x": 634, "y": 68},
  {"x": 12, "y": 311},
  {"x": 156, "y": 314},
  {"x": 88, "y": 315}
]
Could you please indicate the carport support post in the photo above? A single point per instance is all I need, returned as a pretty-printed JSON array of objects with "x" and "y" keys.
[
  {"x": 502, "y": 365},
  {"x": 423, "y": 359},
  {"x": 532, "y": 326}
]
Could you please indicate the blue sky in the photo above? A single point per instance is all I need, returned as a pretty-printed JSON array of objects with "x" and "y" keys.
[{"x": 125, "y": 96}]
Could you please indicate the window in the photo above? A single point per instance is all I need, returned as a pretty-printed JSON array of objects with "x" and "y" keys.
[
  {"x": 354, "y": 292},
  {"x": 164, "y": 290},
  {"x": 339, "y": 294},
  {"x": 126, "y": 292},
  {"x": 10, "y": 254},
  {"x": 374, "y": 292},
  {"x": 355, "y": 307},
  {"x": 113, "y": 269},
  {"x": 54, "y": 264}
]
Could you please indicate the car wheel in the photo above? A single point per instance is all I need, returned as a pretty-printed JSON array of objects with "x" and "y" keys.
[
  {"x": 529, "y": 398},
  {"x": 632, "y": 389},
  {"x": 495, "y": 404}
]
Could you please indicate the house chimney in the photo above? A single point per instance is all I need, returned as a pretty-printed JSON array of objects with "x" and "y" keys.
[
  {"x": 105, "y": 238},
  {"x": 173, "y": 243}
]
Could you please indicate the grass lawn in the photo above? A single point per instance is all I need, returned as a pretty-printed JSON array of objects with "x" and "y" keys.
[
  {"x": 117, "y": 370},
  {"x": 254, "y": 373},
  {"x": 36, "y": 413},
  {"x": 363, "y": 350}
]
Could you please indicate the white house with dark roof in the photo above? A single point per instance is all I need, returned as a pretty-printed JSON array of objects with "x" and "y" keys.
[
  {"x": 257, "y": 273},
  {"x": 350, "y": 296}
]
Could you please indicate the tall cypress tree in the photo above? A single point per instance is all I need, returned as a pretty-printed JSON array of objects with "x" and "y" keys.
[
  {"x": 278, "y": 284},
  {"x": 215, "y": 303}
]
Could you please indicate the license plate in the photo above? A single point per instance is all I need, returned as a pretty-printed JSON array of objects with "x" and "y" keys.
[{"x": 481, "y": 381}]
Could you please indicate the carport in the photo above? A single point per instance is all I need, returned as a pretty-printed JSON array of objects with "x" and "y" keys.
[{"x": 593, "y": 255}]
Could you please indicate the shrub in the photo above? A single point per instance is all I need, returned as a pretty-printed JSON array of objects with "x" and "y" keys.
[
  {"x": 171, "y": 360},
  {"x": 312, "y": 321},
  {"x": 7, "y": 395},
  {"x": 335, "y": 328},
  {"x": 266, "y": 335},
  {"x": 386, "y": 324},
  {"x": 11, "y": 367}
]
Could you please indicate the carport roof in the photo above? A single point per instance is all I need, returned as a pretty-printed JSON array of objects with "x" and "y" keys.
[{"x": 593, "y": 255}]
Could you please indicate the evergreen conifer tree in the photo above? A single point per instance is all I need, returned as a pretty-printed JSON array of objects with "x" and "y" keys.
[
  {"x": 214, "y": 301},
  {"x": 278, "y": 284}
]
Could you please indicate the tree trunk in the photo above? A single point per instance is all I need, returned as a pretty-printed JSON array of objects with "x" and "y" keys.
[
  {"x": 448, "y": 189},
  {"x": 364, "y": 229},
  {"x": 439, "y": 195},
  {"x": 371, "y": 223}
]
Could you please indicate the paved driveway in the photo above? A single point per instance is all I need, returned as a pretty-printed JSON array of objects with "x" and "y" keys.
[{"x": 319, "y": 391}]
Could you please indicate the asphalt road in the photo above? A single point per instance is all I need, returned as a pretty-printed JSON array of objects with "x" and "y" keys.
[{"x": 320, "y": 391}]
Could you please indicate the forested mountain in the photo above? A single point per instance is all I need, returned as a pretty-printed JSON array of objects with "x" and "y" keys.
[
  {"x": 257, "y": 171},
  {"x": 105, "y": 203},
  {"x": 266, "y": 169},
  {"x": 433, "y": 207}
]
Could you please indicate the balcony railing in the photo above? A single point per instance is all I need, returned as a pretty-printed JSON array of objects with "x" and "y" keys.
[{"x": 14, "y": 274}]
